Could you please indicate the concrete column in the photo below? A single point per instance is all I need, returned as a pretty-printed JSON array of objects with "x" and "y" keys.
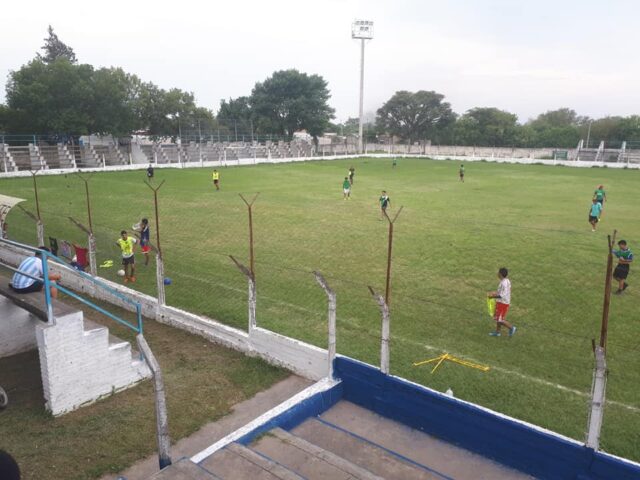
[
  {"x": 93, "y": 266},
  {"x": 40, "y": 233},
  {"x": 597, "y": 399}
]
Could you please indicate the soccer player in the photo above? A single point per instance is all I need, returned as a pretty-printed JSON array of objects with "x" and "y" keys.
[
  {"x": 144, "y": 239},
  {"x": 625, "y": 257},
  {"x": 346, "y": 188},
  {"x": 126, "y": 244},
  {"x": 150, "y": 172},
  {"x": 503, "y": 301},
  {"x": 216, "y": 179},
  {"x": 599, "y": 195},
  {"x": 352, "y": 173},
  {"x": 594, "y": 214},
  {"x": 385, "y": 201},
  {"x": 395, "y": 162},
  {"x": 462, "y": 173},
  {"x": 33, "y": 266}
]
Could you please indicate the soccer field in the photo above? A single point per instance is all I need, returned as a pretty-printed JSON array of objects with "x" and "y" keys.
[{"x": 449, "y": 242}]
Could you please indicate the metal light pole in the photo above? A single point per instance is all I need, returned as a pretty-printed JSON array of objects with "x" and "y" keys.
[
  {"x": 589, "y": 133},
  {"x": 361, "y": 30}
]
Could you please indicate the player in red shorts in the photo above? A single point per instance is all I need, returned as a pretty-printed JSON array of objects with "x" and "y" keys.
[
  {"x": 144, "y": 239},
  {"x": 503, "y": 300}
]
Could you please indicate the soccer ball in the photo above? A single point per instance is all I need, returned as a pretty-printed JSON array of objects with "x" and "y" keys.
[{"x": 121, "y": 273}]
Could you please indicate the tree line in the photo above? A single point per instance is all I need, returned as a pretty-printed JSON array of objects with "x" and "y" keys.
[
  {"x": 54, "y": 94},
  {"x": 425, "y": 115}
]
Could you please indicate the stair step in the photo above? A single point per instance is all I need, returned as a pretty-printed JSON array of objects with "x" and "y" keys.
[
  {"x": 362, "y": 452},
  {"x": 237, "y": 462},
  {"x": 184, "y": 469},
  {"x": 418, "y": 446},
  {"x": 308, "y": 459}
]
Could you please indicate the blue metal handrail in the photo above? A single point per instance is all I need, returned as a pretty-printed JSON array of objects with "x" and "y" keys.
[{"x": 47, "y": 286}]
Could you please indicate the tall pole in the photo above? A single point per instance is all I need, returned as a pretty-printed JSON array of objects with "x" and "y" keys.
[
  {"x": 155, "y": 203},
  {"x": 39, "y": 224},
  {"x": 387, "y": 290},
  {"x": 589, "y": 133},
  {"x": 607, "y": 293},
  {"x": 361, "y": 121},
  {"x": 35, "y": 190},
  {"x": 86, "y": 191},
  {"x": 252, "y": 264}
]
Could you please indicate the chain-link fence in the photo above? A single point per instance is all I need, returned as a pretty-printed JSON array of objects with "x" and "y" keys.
[{"x": 437, "y": 302}]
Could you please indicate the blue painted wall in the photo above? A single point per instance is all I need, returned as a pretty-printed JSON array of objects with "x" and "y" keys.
[
  {"x": 310, "y": 407},
  {"x": 511, "y": 443}
]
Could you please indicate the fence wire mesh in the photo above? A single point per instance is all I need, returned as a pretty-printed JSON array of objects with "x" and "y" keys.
[{"x": 435, "y": 307}]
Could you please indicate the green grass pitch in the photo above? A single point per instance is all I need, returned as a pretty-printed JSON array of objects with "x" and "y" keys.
[{"x": 450, "y": 240}]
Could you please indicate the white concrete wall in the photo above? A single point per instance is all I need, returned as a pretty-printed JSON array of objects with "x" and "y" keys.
[
  {"x": 17, "y": 329},
  {"x": 300, "y": 357},
  {"x": 80, "y": 367},
  {"x": 466, "y": 154}
]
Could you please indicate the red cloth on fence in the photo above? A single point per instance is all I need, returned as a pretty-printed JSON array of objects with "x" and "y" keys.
[{"x": 82, "y": 256}]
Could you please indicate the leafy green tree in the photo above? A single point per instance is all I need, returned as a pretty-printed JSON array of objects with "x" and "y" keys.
[
  {"x": 235, "y": 115},
  {"x": 563, "y": 117},
  {"x": 114, "y": 94},
  {"x": 487, "y": 127},
  {"x": 54, "y": 48},
  {"x": 289, "y": 101},
  {"x": 629, "y": 128},
  {"x": 51, "y": 97},
  {"x": 415, "y": 116},
  {"x": 5, "y": 114}
]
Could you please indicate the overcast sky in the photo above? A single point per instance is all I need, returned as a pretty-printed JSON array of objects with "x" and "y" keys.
[{"x": 524, "y": 57}]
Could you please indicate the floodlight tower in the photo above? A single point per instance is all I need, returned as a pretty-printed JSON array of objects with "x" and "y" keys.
[{"x": 361, "y": 30}]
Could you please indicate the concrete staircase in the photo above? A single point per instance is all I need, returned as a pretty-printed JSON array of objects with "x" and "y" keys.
[
  {"x": 80, "y": 361},
  {"x": 346, "y": 442}
]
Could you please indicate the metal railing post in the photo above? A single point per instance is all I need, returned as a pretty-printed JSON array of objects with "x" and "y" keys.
[{"x": 47, "y": 288}]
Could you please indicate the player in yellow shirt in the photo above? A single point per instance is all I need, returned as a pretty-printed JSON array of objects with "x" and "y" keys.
[
  {"x": 126, "y": 245},
  {"x": 216, "y": 179}
]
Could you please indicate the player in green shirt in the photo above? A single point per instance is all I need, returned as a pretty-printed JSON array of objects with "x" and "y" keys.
[
  {"x": 599, "y": 195},
  {"x": 625, "y": 257},
  {"x": 462, "y": 173},
  {"x": 385, "y": 201},
  {"x": 346, "y": 188}
]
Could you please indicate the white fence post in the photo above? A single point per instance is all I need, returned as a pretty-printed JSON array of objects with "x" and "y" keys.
[
  {"x": 92, "y": 254},
  {"x": 384, "y": 338},
  {"x": 160, "y": 281},
  {"x": 162, "y": 419},
  {"x": 331, "y": 321},
  {"x": 598, "y": 390},
  {"x": 40, "y": 233},
  {"x": 252, "y": 293}
]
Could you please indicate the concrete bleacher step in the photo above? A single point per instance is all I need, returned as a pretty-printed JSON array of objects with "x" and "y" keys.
[
  {"x": 441, "y": 456},
  {"x": 184, "y": 469},
  {"x": 308, "y": 459},
  {"x": 363, "y": 452},
  {"x": 237, "y": 462}
]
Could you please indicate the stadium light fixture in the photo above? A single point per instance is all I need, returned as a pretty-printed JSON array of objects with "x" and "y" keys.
[{"x": 361, "y": 30}]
